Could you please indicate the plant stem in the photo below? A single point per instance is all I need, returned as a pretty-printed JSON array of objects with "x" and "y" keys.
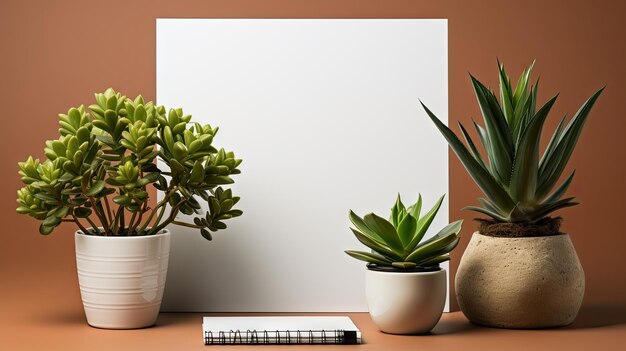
[
  {"x": 161, "y": 204},
  {"x": 80, "y": 226},
  {"x": 106, "y": 202},
  {"x": 189, "y": 225},
  {"x": 94, "y": 226},
  {"x": 131, "y": 222},
  {"x": 97, "y": 208},
  {"x": 157, "y": 227},
  {"x": 117, "y": 219}
]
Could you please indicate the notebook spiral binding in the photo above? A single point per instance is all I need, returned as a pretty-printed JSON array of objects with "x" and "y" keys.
[{"x": 253, "y": 337}]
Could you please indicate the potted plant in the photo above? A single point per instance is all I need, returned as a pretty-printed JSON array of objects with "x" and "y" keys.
[
  {"x": 97, "y": 174},
  {"x": 405, "y": 287},
  {"x": 519, "y": 270}
]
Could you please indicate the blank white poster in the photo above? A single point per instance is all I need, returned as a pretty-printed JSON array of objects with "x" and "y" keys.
[{"x": 325, "y": 115}]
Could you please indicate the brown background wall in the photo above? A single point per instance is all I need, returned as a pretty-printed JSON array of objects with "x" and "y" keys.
[{"x": 56, "y": 54}]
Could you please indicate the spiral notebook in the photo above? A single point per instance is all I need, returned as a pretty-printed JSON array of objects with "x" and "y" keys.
[{"x": 280, "y": 330}]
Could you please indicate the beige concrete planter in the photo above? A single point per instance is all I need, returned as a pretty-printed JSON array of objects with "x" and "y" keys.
[
  {"x": 535, "y": 282},
  {"x": 122, "y": 278}
]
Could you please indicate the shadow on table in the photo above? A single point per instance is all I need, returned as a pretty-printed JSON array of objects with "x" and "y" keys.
[
  {"x": 65, "y": 318},
  {"x": 455, "y": 326},
  {"x": 599, "y": 316}
]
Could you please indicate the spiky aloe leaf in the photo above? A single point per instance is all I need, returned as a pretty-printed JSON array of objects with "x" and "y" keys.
[
  {"x": 550, "y": 169},
  {"x": 506, "y": 96},
  {"x": 558, "y": 192},
  {"x": 483, "y": 179},
  {"x": 524, "y": 176},
  {"x": 472, "y": 146},
  {"x": 497, "y": 130},
  {"x": 547, "y": 208}
]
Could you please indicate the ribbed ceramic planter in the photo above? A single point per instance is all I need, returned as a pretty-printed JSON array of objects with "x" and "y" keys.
[
  {"x": 532, "y": 282},
  {"x": 405, "y": 302},
  {"x": 122, "y": 278}
]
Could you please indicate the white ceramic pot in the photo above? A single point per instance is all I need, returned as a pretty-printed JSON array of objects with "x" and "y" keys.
[
  {"x": 122, "y": 278},
  {"x": 530, "y": 282},
  {"x": 405, "y": 302}
]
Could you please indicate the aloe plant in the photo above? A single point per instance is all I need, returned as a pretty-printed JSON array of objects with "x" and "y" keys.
[
  {"x": 518, "y": 183},
  {"x": 397, "y": 242},
  {"x": 97, "y": 173}
]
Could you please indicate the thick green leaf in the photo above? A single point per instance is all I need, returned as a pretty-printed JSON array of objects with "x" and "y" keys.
[
  {"x": 375, "y": 245},
  {"x": 423, "y": 224},
  {"x": 436, "y": 244},
  {"x": 560, "y": 191},
  {"x": 435, "y": 260},
  {"x": 497, "y": 131},
  {"x": 548, "y": 208},
  {"x": 506, "y": 96},
  {"x": 554, "y": 140},
  {"x": 96, "y": 188},
  {"x": 483, "y": 179},
  {"x": 416, "y": 209},
  {"x": 526, "y": 166},
  {"x": 122, "y": 200},
  {"x": 403, "y": 265},
  {"x": 438, "y": 252},
  {"x": 406, "y": 229},
  {"x": 206, "y": 234},
  {"x": 82, "y": 212},
  {"x": 385, "y": 231},
  {"x": 369, "y": 257},
  {"x": 493, "y": 214},
  {"x": 45, "y": 230},
  {"x": 362, "y": 227},
  {"x": 550, "y": 169},
  {"x": 472, "y": 146}
]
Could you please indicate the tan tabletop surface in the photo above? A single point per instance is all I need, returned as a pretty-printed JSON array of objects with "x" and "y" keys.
[{"x": 54, "y": 329}]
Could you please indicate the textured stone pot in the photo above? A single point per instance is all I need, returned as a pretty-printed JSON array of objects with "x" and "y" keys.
[
  {"x": 533, "y": 282},
  {"x": 405, "y": 302},
  {"x": 122, "y": 278}
]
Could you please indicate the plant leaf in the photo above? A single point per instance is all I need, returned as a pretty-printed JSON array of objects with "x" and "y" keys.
[
  {"x": 497, "y": 131},
  {"x": 485, "y": 181},
  {"x": 375, "y": 245},
  {"x": 369, "y": 257},
  {"x": 406, "y": 229},
  {"x": 472, "y": 147},
  {"x": 423, "y": 224},
  {"x": 551, "y": 168},
  {"x": 95, "y": 188},
  {"x": 558, "y": 193},
  {"x": 526, "y": 165},
  {"x": 362, "y": 227},
  {"x": 385, "y": 231}
]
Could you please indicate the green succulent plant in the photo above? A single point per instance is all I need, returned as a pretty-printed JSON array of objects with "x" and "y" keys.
[
  {"x": 397, "y": 242},
  {"x": 518, "y": 183},
  {"x": 99, "y": 169}
]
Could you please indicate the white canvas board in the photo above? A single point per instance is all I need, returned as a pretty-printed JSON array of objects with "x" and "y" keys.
[{"x": 325, "y": 115}]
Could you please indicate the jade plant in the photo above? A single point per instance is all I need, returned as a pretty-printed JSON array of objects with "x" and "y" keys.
[
  {"x": 397, "y": 242},
  {"x": 519, "y": 183},
  {"x": 97, "y": 173}
]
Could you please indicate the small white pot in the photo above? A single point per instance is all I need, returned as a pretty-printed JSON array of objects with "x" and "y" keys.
[
  {"x": 122, "y": 278},
  {"x": 405, "y": 302}
]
